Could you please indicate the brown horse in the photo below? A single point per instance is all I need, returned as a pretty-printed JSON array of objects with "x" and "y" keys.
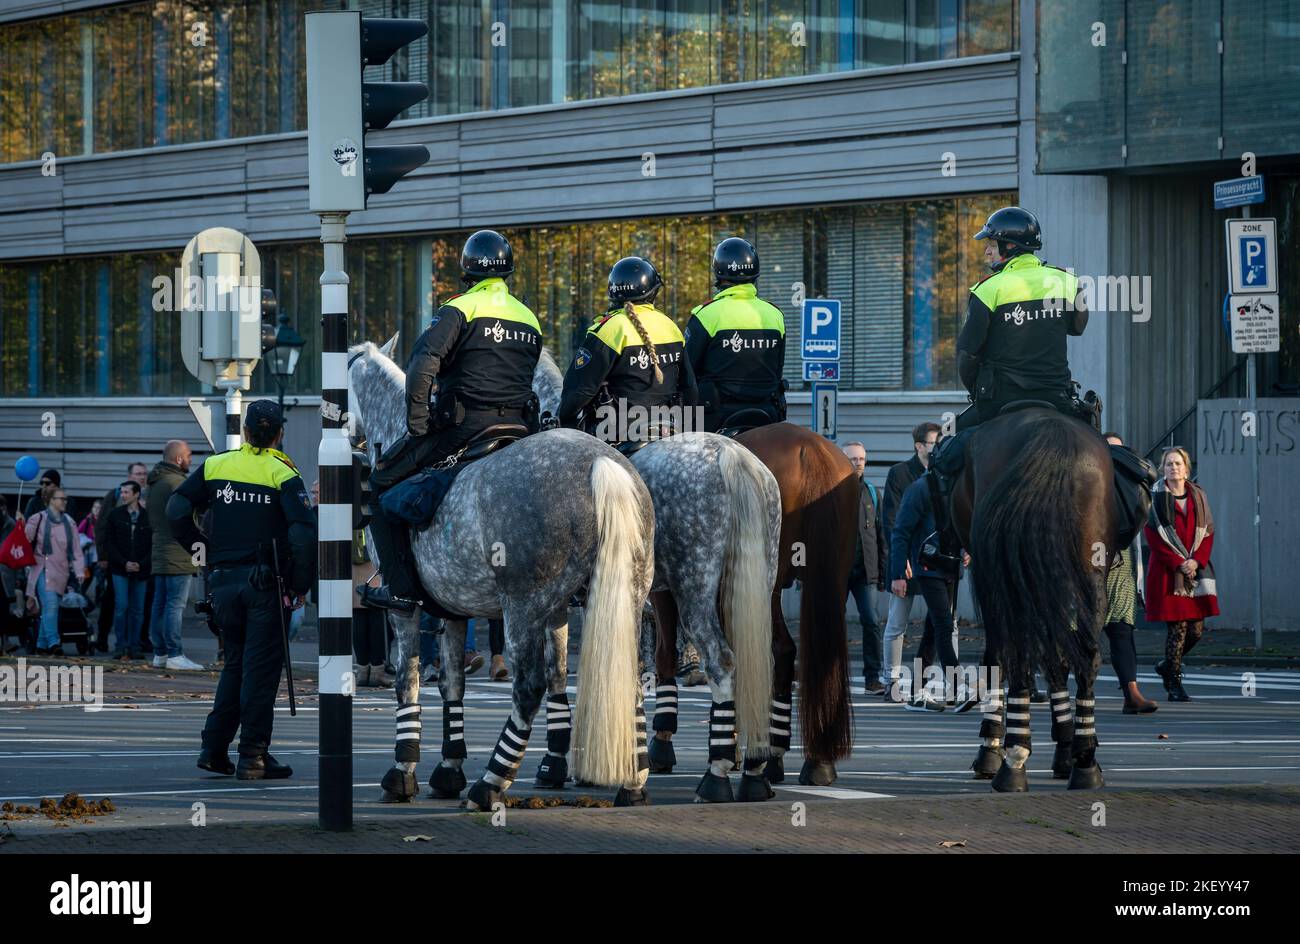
[
  {"x": 819, "y": 520},
  {"x": 1035, "y": 505}
]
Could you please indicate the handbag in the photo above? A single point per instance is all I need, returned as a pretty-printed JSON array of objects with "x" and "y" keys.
[{"x": 16, "y": 551}]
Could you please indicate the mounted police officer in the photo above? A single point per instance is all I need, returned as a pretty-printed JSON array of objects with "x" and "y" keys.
[
  {"x": 631, "y": 362},
  {"x": 471, "y": 369},
  {"x": 736, "y": 342},
  {"x": 1012, "y": 346},
  {"x": 263, "y": 533}
]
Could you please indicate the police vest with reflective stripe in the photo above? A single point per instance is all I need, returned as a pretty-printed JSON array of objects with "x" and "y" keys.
[
  {"x": 632, "y": 374},
  {"x": 1028, "y": 301},
  {"x": 494, "y": 360},
  {"x": 744, "y": 355}
]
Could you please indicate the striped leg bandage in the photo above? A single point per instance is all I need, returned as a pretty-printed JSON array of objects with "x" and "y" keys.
[
  {"x": 407, "y": 750},
  {"x": 1062, "y": 718},
  {"x": 993, "y": 725},
  {"x": 722, "y": 731},
  {"x": 666, "y": 707},
  {"x": 1018, "y": 721},
  {"x": 559, "y": 724},
  {"x": 453, "y": 730},
  {"x": 780, "y": 725},
  {"x": 507, "y": 756},
  {"x": 1085, "y": 726},
  {"x": 642, "y": 752}
]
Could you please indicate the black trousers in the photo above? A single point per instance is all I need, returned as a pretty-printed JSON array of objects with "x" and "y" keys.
[
  {"x": 245, "y": 700},
  {"x": 938, "y": 594},
  {"x": 1123, "y": 651},
  {"x": 369, "y": 641}
]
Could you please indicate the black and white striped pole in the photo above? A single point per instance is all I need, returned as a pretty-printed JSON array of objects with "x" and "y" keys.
[
  {"x": 334, "y": 596},
  {"x": 342, "y": 171}
]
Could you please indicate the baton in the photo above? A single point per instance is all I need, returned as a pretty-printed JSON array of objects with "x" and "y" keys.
[{"x": 284, "y": 628}]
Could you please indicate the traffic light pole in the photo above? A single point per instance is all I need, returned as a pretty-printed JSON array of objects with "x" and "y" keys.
[{"x": 335, "y": 538}]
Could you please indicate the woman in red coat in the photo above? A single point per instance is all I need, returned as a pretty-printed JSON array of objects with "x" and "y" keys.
[{"x": 1180, "y": 588}]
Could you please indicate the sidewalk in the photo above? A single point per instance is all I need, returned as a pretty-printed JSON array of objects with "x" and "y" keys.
[{"x": 1253, "y": 819}]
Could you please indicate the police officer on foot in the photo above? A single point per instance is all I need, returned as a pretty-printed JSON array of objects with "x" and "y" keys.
[
  {"x": 471, "y": 369},
  {"x": 260, "y": 509},
  {"x": 736, "y": 342},
  {"x": 1012, "y": 346},
  {"x": 636, "y": 352}
]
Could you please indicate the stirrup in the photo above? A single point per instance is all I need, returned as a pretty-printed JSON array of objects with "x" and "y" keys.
[{"x": 381, "y": 598}]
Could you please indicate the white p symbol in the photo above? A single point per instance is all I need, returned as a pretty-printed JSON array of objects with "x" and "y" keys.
[{"x": 821, "y": 317}]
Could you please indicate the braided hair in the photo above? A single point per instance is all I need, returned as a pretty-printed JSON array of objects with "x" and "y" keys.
[{"x": 645, "y": 340}]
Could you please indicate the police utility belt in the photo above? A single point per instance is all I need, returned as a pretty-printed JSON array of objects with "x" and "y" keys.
[{"x": 451, "y": 409}]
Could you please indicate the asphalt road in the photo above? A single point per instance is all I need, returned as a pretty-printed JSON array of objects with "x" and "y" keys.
[{"x": 140, "y": 749}]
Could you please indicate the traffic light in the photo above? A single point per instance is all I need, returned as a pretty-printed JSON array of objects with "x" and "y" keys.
[{"x": 342, "y": 168}]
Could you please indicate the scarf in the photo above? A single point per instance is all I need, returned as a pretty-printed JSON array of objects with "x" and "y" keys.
[
  {"x": 1161, "y": 519},
  {"x": 50, "y": 522}
]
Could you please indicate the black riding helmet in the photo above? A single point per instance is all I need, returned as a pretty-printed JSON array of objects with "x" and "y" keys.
[
  {"x": 486, "y": 254},
  {"x": 633, "y": 279},
  {"x": 735, "y": 261},
  {"x": 1013, "y": 227}
]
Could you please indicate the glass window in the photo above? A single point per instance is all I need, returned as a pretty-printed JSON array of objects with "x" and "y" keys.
[
  {"x": 1080, "y": 85},
  {"x": 1261, "y": 73}
]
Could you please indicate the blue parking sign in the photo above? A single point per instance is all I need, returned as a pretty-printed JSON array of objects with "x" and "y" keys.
[
  {"x": 821, "y": 329},
  {"x": 1253, "y": 253},
  {"x": 1252, "y": 256}
]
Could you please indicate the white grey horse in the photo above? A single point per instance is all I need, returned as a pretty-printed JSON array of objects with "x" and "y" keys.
[
  {"x": 717, "y": 530},
  {"x": 519, "y": 533}
]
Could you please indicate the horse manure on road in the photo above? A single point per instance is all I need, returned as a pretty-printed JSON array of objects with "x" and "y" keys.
[
  {"x": 73, "y": 806},
  {"x": 542, "y": 803}
]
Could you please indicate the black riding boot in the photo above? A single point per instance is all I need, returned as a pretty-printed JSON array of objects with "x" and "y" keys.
[{"x": 401, "y": 590}]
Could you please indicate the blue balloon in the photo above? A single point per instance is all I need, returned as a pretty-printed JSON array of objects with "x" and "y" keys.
[{"x": 27, "y": 468}]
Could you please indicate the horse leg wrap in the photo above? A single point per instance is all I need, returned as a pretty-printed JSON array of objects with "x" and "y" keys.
[
  {"x": 642, "y": 752},
  {"x": 559, "y": 724},
  {"x": 408, "y": 734},
  {"x": 1085, "y": 729},
  {"x": 1017, "y": 726},
  {"x": 992, "y": 726},
  {"x": 666, "y": 708},
  {"x": 1062, "y": 718},
  {"x": 453, "y": 730},
  {"x": 507, "y": 756},
  {"x": 780, "y": 725},
  {"x": 722, "y": 733}
]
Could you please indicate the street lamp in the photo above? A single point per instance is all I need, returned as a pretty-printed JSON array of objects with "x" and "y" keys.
[{"x": 282, "y": 345}]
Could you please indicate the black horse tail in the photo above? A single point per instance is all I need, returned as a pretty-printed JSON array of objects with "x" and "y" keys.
[
  {"x": 829, "y": 531},
  {"x": 1036, "y": 583}
]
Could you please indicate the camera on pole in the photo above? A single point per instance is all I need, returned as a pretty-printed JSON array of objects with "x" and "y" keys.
[
  {"x": 221, "y": 324},
  {"x": 343, "y": 168}
]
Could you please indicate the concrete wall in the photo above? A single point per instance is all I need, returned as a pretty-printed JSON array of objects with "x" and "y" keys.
[{"x": 1223, "y": 468}]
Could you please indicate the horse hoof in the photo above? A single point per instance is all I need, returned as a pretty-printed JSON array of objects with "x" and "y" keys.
[
  {"x": 399, "y": 786},
  {"x": 1011, "y": 780},
  {"x": 662, "y": 756},
  {"x": 817, "y": 774},
  {"x": 445, "y": 783},
  {"x": 552, "y": 773},
  {"x": 1062, "y": 762},
  {"x": 754, "y": 789},
  {"x": 775, "y": 769},
  {"x": 638, "y": 797},
  {"x": 1086, "y": 778},
  {"x": 987, "y": 762},
  {"x": 714, "y": 789},
  {"x": 482, "y": 797}
]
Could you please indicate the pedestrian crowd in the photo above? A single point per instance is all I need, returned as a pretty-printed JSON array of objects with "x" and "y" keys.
[{"x": 1175, "y": 585}]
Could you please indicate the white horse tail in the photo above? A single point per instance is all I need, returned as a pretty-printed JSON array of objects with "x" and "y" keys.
[
  {"x": 604, "y": 726},
  {"x": 749, "y": 572}
]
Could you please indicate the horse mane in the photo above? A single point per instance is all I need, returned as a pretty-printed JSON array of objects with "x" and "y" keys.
[
  {"x": 548, "y": 382},
  {"x": 378, "y": 374}
]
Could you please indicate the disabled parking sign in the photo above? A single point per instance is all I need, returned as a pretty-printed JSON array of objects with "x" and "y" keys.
[{"x": 1252, "y": 256}]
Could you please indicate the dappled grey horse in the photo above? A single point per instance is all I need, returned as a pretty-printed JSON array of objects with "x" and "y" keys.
[
  {"x": 717, "y": 528},
  {"x": 519, "y": 533}
]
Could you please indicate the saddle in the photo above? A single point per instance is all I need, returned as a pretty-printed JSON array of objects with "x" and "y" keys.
[
  {"x": 417, "y": 499},
  {"x": 742, "y": 421}
]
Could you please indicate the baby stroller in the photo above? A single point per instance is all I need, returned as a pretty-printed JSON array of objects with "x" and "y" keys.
[{"x": 74, "y": 619}]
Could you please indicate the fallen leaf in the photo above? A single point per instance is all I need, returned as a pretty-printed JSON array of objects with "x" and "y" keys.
[
  {"x": 420, "y": 838},
  {"x": 950, "y": 843}
]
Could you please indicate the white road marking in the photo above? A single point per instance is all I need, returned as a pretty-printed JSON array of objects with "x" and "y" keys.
[{"x": 835, "y": 793}]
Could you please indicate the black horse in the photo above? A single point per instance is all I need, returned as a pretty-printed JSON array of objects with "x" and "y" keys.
[{"x": 1035, "y": 505}]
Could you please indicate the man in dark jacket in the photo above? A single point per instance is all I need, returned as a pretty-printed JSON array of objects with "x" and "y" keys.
[
  {"x": 173, "y": 566},
  {"x": 868, "y": 568},
  {"x": 902, "y": 475},
  {"x": 128, "y": 540},
  {"x": 137, "y": 472}
]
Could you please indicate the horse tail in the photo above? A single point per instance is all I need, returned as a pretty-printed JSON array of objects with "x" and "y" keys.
[
  {"x": 604, "y": 750},
  {"x": 749, "y": 571},
  {"x": 828, "y": 525},
  {"x": 1033, "y": 578}
]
